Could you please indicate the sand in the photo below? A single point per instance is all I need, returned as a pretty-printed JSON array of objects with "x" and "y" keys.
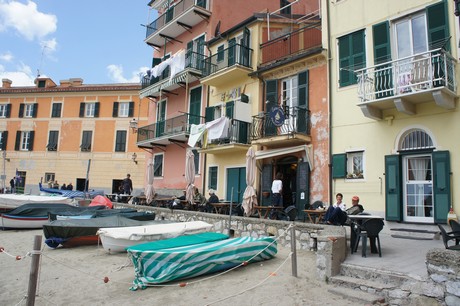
[{"x": 75, "y": 276}]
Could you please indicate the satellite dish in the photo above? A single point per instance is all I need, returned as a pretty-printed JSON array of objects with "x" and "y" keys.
[{"x": 217, "y": 30}]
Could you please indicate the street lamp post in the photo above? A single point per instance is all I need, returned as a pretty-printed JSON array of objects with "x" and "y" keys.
[{"x": 4, "y": 171}]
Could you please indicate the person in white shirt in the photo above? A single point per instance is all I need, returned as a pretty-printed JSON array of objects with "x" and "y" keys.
[
  {"x": 339, "y": 202},
  {"x": 277, "y": 188}
]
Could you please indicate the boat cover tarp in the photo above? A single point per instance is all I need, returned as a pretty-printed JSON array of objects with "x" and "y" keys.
[
  {"x": 43, "y": 209},
  {"x": 71, "y": 193},
  {"x": 94, "y": 213},
  {"x": 149, "y": 232},
  {"x": 101, "y": 200},
  {"x": 158, "y": 262}
]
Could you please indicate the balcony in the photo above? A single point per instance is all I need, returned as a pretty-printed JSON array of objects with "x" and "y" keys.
[
  {"x": 232, "y": 63},
  {"x": 406, "y": 82},
  {"x": 177, "y": 19},
  {"x": 163, "y": 133},
  {"x": 236, "y": 139},
  {"x": 153, "y": 86},
  {"x": 294, "y": 130},
  {"x": 291, "y": 46}
]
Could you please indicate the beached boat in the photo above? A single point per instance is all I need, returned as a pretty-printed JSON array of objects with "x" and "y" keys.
[
  {"x": 168, "y": 260},
  {"x": 91, "y": 213},
  {"x": 75, "y": 232},
  {"x": 71, "y": 193},
  {"x": 15, "y": 200},
  {"x": 34, "y": 215},
  {"x": 118, "y": 239}
]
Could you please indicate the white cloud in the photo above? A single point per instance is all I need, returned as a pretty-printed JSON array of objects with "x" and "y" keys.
[
  {"x": 6, "y": 57},
  {"x": 26, "y": 19},
  {"x": 21, "y": 77},
  {"x": 116, "y": 74}
]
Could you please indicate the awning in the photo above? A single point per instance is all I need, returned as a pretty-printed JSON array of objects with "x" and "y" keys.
[{"x": 277, "y": 152}]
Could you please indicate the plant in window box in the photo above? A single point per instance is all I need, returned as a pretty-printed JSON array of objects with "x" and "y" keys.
[{"x": 356, "y": 175}]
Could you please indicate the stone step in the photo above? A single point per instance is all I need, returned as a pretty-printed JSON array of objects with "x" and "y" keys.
[
  {"x": 357, "y": 296},
  {"x": 380, "y": 276}
]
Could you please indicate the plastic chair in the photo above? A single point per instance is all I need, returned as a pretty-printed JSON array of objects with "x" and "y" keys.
[
  {"x": 446, "y": 237},
  {"x": 369, "y": 229},
  {"x": 455, "y": 226}
]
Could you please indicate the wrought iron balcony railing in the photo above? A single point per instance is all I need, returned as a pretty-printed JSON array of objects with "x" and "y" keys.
[
  {"x": 297, "y": 120},
  {"x": 237, "y": 133},
  {"x": 290, "y": 44},
  {"x": 406, "y": 76},
  {"x": 233, "y": 55},
  {"x": 171, "y": 13},
  {"x": 192, "y": 60},
  {"x": 167, "y": 128}
]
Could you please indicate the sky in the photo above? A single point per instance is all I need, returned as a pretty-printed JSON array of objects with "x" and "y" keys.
[{"x": 99, "y": 41}]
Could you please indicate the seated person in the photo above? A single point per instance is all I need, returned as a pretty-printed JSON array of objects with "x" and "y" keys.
[
  {"x": 183, "y": 196},
  {"x": 336, "y": 216},
  {"x": 213, "y": 198},
  {"x": 199, "y": 199}
]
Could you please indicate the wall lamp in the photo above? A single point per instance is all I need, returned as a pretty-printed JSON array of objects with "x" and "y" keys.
[
  {"x": 134, "y": 157},
  {"x": 133, "y": 125}
]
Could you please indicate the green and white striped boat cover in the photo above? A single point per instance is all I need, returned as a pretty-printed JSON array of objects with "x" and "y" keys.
[{"x": 154, "y": 264}]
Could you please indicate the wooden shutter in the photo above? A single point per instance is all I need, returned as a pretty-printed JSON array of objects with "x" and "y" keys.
[
  {"x": 82, "y": 110},
  {"x": 131, "y": 109},
  {"x": 97, "y": 106},
  {"x": 271, "y": 96},
  {"x": 231, "y": 52},
  {"x": 438, "y": 26},
  {"x": 441, "y": 185},
  {"x": 34, "y": 110},
  {"x": 339, "y": 165},
  {"x": 31, "y": 141},
  {"x": 17, "y": 143},
  {"x": 382, "y": 46},
  {"x": 245, "y": 48},
  {"x": 209, "y": 114},
  {"x": 229, "y": 109},
  {"x": 8, "y": 110},
  {"x": 4, "y": 140},
  {"x": 352, "y": 56},
  {"x": 21, "y": 110},
  {"x": 393, "y": 188},
  {"x": 115, "y": 110},
  {"x": 303, "y": 97},
  {"x": 212, "y": 178}
]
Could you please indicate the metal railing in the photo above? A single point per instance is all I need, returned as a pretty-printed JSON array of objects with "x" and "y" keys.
[
  {"x": 233, "y": 55},
  {"x": 420, "y": 72},
  {"x": 297, "y": 120},
  {"x": 169, "y": 127},
  {"x": 238, "y": 132},
  {"x": 171, "y": 13},
  {"x": 192, "y": 60},
  {"x": 292, "y": 43}
]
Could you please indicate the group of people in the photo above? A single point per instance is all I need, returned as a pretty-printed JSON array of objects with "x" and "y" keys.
[
  {"x": 337, "y": 214},
  {"x": 205, "y": 205},
  {"x": 55, "y": 185}
]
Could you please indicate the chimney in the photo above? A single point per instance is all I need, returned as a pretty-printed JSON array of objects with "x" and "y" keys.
[
  {"x": 76, "y": 81},
  {"x": 6, "y": 83}
]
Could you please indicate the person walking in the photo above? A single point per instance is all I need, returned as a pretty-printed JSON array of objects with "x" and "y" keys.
[
  {"x": 127, "y": 184},
  {"x": 12, "y": 185}
]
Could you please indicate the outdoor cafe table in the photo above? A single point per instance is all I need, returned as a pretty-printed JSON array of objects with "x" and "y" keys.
[
  {"x": 315, "y": 215},
  {"x": 122, "y": 198},
  {"x": 221, "y": 207},
  {"x": 264, "y": 211},
  {"x": 358, "y": 220}
]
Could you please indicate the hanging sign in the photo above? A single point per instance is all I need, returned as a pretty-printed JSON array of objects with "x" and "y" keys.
[{"x": 277, "y": 116}]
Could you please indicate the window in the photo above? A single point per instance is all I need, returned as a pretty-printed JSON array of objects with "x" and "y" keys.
[
  {"x": 3, "y": 140},
  {"x": 25, "y": 141},
  {"x": 53, "y": 141},
  {"x": 411, "y": 35},
  {"x": 4, "y": 110},
  {"x": 86, "y": 141},
  {"x": 49, "y": 177},
  {"x": 355, "y": 165},
  {"x": 28, "y": 110},
  {"x": 213, "y": 177},
  {"x": 289, "y": 87},
  {"x": 158, "y": 165},
  {"x": 56, "y": 110},
  {"x": 120, "y": 142},
  {"x": 123, "y": 109},
  {"x": 352, "y": 56},
  {"x": 89, "y": 109},
  {"x": 196, "y": 160}
]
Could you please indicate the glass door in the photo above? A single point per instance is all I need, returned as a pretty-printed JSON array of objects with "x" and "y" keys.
[{"x": 418, "y": 189}]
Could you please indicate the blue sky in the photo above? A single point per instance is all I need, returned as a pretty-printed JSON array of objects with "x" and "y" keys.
[{"x": 99, "y": 41}]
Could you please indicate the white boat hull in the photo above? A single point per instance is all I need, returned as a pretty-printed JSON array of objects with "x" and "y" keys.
[
  {"x": 118, "y": 239},
  {"x": 10, "y": 222}
]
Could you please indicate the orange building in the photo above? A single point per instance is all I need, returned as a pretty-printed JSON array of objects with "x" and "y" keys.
[{"x": 71, "y": 133}]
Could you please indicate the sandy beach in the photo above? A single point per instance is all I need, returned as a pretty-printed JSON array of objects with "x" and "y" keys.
[{"x": 75, "y": 276}]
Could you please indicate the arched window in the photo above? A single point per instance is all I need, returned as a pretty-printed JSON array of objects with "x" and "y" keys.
[{"x": 416, "y": 140}]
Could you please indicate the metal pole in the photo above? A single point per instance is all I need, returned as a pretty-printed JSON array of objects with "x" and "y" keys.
[
  {"x": 86, "y": 189},
  {"x": 230, "y": 212},
  {"x": 33, "y": 276},
  {"x": 294, "y": 252},
  {"x": 4, "y": 172}
]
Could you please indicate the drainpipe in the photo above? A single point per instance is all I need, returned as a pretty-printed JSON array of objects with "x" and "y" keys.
[{"x": 329, "y": 57}]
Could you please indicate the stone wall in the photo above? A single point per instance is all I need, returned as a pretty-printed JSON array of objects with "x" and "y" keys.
[
  {"x": 329, "y": 242},
  {"x": 444, "y": 275}
]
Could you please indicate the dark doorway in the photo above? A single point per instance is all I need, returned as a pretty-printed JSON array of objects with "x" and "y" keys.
[
  {"x": 288, "y": 167},
  {"x": 116, "y": 186},
  {"x": 81, "y": 184}
]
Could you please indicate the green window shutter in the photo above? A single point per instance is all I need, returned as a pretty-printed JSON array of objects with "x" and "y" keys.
[
  {"x": 438, "y": 26},
  {"x": 271, "y": 94},
  {"x": 82, "y": 110},
  {"x": 195, "y": 106},
  {"x": 21, "y": 110},
  {"x": 8, "y": 110},
  {"x": 352, "y": 56},
  {"x": 393, "y": 188},
  {"x": 34, "y": 110},
  {"x": 18, "y": 141},
  {"x": 229, "y": 106},
  {"x": 220, "y": 53},
  {"x": 131, "y": 109},
  {"x": 231, "y": 52},
  {"x": 4, "y": 140},
  {"x": 382, "y": 46},
  {"x": 212, "y": 178},
  {"x": 302, "y": 112},
  {"x": 155, "y": 61},
  {"x": 31, "y": 142},
  {"x": 209, "y": 114},
  {"x": 115, "y": 109},
  {"x": 441, "y": 185},
  {"x": 339, "y": 165},
  {"x": 97, "y": 106}
]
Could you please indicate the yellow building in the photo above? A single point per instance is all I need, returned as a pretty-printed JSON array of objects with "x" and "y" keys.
[
  {"x": 394, "y": 91},
  {"x": 70, "y": 133}
]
